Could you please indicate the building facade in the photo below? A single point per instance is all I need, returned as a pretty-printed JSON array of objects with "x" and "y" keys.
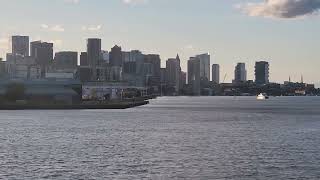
[
  {"x": 216, "y": 73},
  {"x": 43, "y": 54},
  {"x": 94, "y": 57},
  {"x": 240, "y": 73},
  {"x": 262, "y": 72},
  {"x": 194, "y": 79},
  {"x": 173, "y": 72},
  {"x": 66, "y": 60},
  {"x": 20, "y": 45},
  {"x": 204, "y": 66}
]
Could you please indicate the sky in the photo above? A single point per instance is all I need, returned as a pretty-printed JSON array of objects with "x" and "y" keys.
[{"x": 283, "y": 32}]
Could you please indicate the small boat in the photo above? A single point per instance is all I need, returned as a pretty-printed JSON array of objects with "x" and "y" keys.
[{"x": 262, "y": 96}]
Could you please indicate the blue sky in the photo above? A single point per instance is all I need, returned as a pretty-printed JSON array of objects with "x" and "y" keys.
[{"x": 231, "y": 30}]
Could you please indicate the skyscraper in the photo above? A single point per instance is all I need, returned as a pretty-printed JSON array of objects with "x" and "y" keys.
[
  {"x": 94, "y": 56},
  {"x": 20, "y": 45},
  {"x": 194, "y": 75},
  {"x": 199, "y": 72},
  {"x": 173, "y": 73},
  {"x": 216, "y": 73},
  {"x": 204, "y": 66},
  {"x": 240, "y": 73},
  {"x": 262, "y": 72},
  {"x": 116, "y": 56},
  {"x": 84, "y": 59},
  {"x": 43, "y": 54},
  {"x": 66, "y": 60}
]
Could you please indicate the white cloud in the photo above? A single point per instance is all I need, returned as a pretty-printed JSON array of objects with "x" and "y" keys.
[
  {"x": 92, "y": 28},
  {"x": 55, "y": 28},
  {"x": 134, "y": 1},
  {"x": 283, "y": 9}
]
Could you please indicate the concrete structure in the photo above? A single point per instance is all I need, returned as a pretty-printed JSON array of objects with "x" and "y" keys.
[
  {"x": 240, "y": 73},
  {"x": 20, "y": 45},
  {"x": 216, "y": 73},
  {"x": 173, "y": 71},
  {"x": 262, "y": 72},
  {"x": 94, "y": 57}
]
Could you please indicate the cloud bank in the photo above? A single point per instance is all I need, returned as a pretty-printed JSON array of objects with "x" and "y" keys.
[{"x": 284, "y": 9}]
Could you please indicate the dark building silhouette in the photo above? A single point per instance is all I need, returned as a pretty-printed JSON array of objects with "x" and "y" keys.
[
  {"x": 66, "y": 60},
  {"x": 173, "y": 72},
  {"x": 155, "y": 61},
  {"x": 216, "y": 73},
  {"x": 262, "y": 72},
  {"x": 116, "y": 56},
  {"x": 43, "y": 54},
  {"x": 84, "y": 59},
  {"x": 194, "y": 78},
  {"x": 240, "y": 73},
  {"x": 94, "y": 57},
  {"x": 20, "y": 45},
  {"x": 152, "y": 69}
]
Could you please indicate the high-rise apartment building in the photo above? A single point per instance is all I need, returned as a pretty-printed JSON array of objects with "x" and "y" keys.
[
  {"x": 173, "y": 73},
  {"x": 240, "y": 73},
  {"x": 262, "y": 72},
  {"x": 94, "y": 57},
  {"x": 216, "y": 73}
]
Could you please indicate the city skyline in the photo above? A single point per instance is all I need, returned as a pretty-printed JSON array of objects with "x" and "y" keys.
[{"x": 228, "y": 33}]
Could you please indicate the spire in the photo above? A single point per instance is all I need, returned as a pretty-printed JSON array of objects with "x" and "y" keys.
[
  {"x": 302, "y": 78},
  {"x": 178, "y": 58},
  {"x": 289, "y": 79}
]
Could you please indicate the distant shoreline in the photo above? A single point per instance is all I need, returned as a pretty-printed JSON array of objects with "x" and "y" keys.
[{"x": 122, "y": 105}]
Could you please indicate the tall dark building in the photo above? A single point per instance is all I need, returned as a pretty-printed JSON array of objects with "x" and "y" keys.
[
  {"x": 84, "y": 59},
  {"x": 94, "y": 56},
  {"x": 152, "y": 69},
  {"x": 173, "y": 73},
  {"x": 154, "y": 60},
  {"x": 43, "y": 54},
  {"x": 66, "y": 60},
  {"x": 216, "y": 73},
  {"x": 20, "y": 45},
  {"x": 240, "y": 73},
  {"x": 262, "y": 72},
  {"x": 194, "y": 77},
  {"x": 116, "y": 56}
]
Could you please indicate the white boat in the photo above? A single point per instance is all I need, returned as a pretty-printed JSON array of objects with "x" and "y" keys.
[{"x": 262, "y": 96}]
